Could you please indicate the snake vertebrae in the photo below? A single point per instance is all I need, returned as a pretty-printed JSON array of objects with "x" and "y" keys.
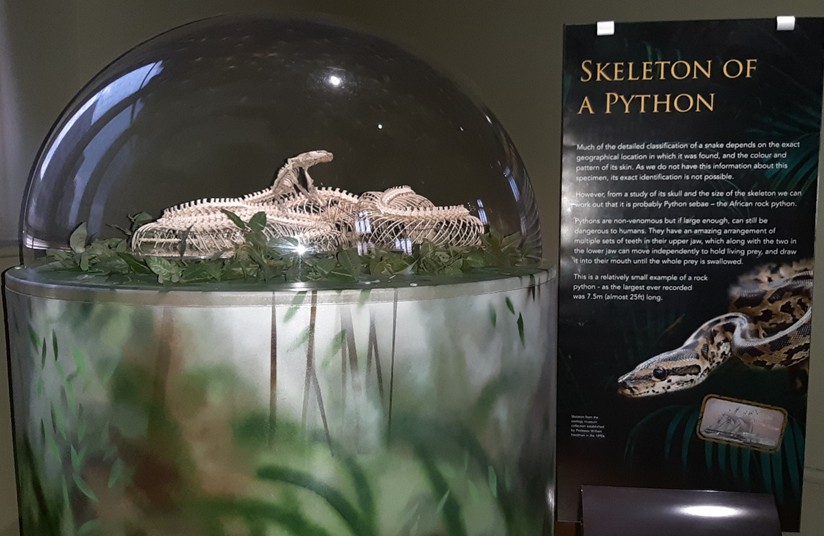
[
  {"x": 319, "y": 219},
  {"x": 768, "y": 326}
]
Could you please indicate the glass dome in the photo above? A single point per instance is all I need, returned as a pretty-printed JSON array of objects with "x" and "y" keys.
[{"x": 223, "y": 108}]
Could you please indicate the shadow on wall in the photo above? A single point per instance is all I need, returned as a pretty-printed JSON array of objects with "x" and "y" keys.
[
  {"x": 12, "y": 157},
  {"x": 8, "y": 496}
]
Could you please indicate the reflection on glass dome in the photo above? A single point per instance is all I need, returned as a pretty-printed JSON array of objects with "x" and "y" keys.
[{"x": 212, "y": 128}]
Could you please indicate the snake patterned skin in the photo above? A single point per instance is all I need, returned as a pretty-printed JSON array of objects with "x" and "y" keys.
[{"x": 768, "y": 326}]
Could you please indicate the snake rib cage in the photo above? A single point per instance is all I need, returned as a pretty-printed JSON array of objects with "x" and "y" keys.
[{"x": 320, "y": 219}]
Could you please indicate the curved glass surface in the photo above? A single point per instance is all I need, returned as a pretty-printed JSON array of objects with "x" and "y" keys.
[{"x": 214, "y": 109}]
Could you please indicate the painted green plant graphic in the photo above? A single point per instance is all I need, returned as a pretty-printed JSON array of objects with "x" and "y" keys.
[
  {"x": 69, "y": 438},
  {"x": 795, "y": 168},
  {"x": 150, "y": 429}
]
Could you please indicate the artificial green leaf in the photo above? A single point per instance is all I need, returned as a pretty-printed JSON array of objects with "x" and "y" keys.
[
  {"x": 323, "y": 265},
  {"x": 200, "y": 271},
  {"x": 510, "y": 242},
  {"x": 378, "y": 267},
  {"x": 398, "y": 263},
  {"x": 135, "y": 265},
  {"x": 350, "y": 262},
  {"x": 139, "y": 219},
  {"x": 239, "y": 223},
  {"x": 58, "y": 254},
  {"x": 85, "y": 261},
  {"x": 258, "y": 221},
  {"x": 262, "y": 259},
  {"x": 454, "y": 268},
  {"x": 165, "y": 270},
  {"x": 257, "y": 239},
  {"x": 77, "y": 240},
  {"x": 474, "y": 260},
  {"x": 127, "y": 232}
]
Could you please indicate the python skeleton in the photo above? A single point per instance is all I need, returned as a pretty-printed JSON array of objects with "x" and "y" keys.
[{"x": 319, "y": 219}]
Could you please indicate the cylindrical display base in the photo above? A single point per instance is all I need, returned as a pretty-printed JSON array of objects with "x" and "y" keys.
[{"x": 411, "y": 410}]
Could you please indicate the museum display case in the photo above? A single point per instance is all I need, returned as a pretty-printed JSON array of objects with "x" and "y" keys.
[{"x": 280, "y": 277}]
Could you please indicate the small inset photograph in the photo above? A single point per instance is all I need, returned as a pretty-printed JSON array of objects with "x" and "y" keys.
[{"x": 743, "y": 423}]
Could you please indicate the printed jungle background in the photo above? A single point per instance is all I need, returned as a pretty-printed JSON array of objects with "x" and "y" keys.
[{"x": 388, "y": 411}]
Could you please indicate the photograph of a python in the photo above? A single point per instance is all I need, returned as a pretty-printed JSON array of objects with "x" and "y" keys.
[{"x": 767, "y": 326}]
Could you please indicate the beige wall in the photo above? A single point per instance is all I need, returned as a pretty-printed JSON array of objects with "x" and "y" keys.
[{"x": 507, "y": 53}]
